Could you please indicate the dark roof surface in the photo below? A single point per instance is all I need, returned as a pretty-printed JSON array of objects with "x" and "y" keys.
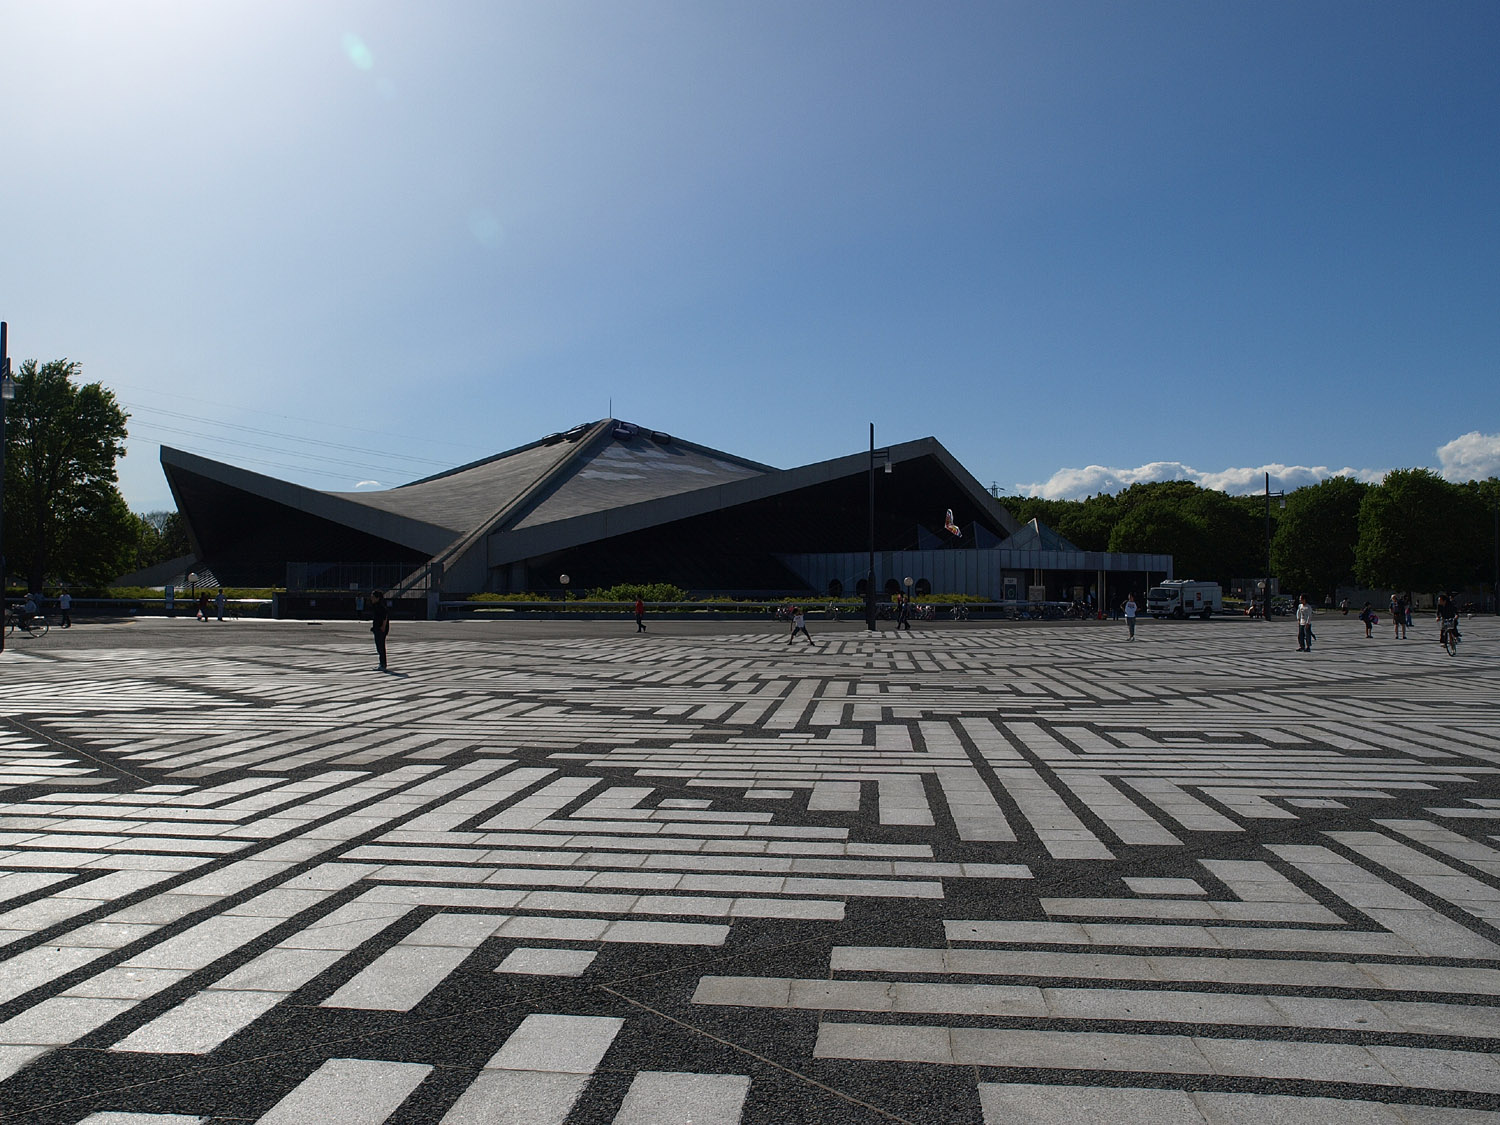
[{"x": 635, "y": 465}]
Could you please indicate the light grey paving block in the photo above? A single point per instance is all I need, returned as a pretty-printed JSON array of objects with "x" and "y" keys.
[
  {"x": 127, "y": 984},
  {"x": 1027, "y": 1104},
  {"x": 556, "y": 929},
  {"x": 883, "y": 1042},
  {"x": 754, "y": 992},
  {"x": 1144, "y": 886},
  {"x": 142, "y": 1119},
  {"x": 703, "y": 1099},
  {"x": 1170, "y": 1007},
  {"x": 467, "y": 931},
  {"x": 348, "y": 1091},
  {"x": 399, "y": 978},
  {"x": 547, "y": 962},
  {"x": 1078, "y": 1050},
  {"x": 517, "y": 1097},
  {"x": 200, "y": 1023},
  {"x": 280, "y": 970},
  {"x": 203, "y": 943},
  {"x": 1318, "y": 1062},
  {"x": 1281, "y": 1109},
  {"x": 557, "y": 1044},
  {"x": 1440, "y": 1070},
  {"x": 665, "y": 933},
  {"x": 60, "y": 1020}
]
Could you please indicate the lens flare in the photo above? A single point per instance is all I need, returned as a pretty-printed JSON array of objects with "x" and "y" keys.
[
  {"x": 485, "y": 227},
  {"x": 359, "y": 54}
]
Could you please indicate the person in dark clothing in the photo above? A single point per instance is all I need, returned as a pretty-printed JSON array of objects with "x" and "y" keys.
[
  {"x": 380, "y": 623},
  {"x": 640, "y": 616}
]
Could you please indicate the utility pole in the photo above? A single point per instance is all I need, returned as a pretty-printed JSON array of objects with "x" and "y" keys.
[
  {"x": 7, "y": 389},
  {"x": 870, "y": 577}
]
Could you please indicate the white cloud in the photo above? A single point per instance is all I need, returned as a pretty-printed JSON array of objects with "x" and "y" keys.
[
  {"x": 1075, "y": 484},
  {"x": 1474, "y": 456}
]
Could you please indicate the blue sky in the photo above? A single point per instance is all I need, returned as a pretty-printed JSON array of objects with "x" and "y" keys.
[{"x": 1081, "y": 244}]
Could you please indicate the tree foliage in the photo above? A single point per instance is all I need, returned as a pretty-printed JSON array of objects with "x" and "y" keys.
[
  {"x": 64, "y": 517},
  {"x": 161, "y": 537},
  {"x": 1313, "y": 548},
  {"x": 1419, "y": 532}
]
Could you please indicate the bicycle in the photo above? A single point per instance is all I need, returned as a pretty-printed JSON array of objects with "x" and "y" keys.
[
  {"x": 37, "y": 627},
  {"x": 960, "y": 613},
  {"x": 1449, "y": 637}
]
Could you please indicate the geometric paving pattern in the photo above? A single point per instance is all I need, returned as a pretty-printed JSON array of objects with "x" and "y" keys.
[{"x": 572, "y": 873}]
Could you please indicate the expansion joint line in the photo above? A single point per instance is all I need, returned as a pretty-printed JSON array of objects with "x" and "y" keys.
[
  {"x": 887, "y": 1114},
  {"x": 108, "y": 766}
]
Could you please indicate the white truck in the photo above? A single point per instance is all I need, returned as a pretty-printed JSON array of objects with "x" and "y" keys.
[{"x": 1182, "y": 597}]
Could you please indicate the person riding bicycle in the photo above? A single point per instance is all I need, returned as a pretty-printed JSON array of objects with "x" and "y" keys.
[
  {"x": 1447, "y": 615},
  {"x": 27, "y": 611}
]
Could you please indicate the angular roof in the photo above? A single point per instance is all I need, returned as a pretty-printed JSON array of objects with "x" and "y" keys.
[{"x": 595, "y": 481}]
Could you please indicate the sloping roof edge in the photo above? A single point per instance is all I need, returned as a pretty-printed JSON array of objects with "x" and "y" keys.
[
  {"x": 511, "y": 546},
  {"x": 403, "y": 530}
]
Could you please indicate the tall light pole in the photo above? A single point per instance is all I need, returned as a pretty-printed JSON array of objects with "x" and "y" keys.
[
  {"x": 870, "y": 576},
  {"x": 1265, "y": 608},
  {"x": 7, "y": 392}
]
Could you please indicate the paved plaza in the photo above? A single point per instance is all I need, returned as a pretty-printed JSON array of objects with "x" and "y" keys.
[{"x": 568, "y": 873}]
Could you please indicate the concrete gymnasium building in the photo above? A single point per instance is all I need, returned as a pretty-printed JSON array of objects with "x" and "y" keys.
[{"x": 612, "y": 501}]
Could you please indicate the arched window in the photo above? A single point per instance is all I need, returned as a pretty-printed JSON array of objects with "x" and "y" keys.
[
  {"x": 923, "y": 588},
  {"x": 835, "y": 588},
  {"x": 892, "y": 586}
]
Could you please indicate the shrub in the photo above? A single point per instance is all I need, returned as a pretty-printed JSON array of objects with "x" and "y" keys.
[{"x": 646, "y": 591}]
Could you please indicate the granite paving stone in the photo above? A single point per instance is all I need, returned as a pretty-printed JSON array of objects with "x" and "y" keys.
[{"x": 984, "y": 873}]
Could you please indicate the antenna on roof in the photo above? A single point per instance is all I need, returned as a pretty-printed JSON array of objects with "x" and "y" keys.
[{"x": 611, "y": 407}]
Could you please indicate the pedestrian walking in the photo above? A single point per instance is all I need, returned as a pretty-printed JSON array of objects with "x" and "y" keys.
[
  {"x": 202, "y": 613},
  {"x": 1344, "y": 605},
  {"x": 219, "y": 603},
  {"x": 380, "y": 624},
  {"x": 640, "y": 616},
  {"x": 1304, "y": 624},
  {"x": 1130, "y": 616},
  {"x": 65, "y": 606},
  {"x": 1367, "y": 615},
  {"x": 903, "y": 613},
  {"x": 799, "y": 625},
  {"x": 1398, "y": 616}
]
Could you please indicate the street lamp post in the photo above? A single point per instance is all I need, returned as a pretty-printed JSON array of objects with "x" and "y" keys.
[
  {"x": 564, "y": 579},
  {"x": 1265, "y": 608},
  {"x": 870, "y": 576},
  {"x": 7, "y": 392},
  {"x": 907, "y": 583},
  {"x": 884, "y": 457}
]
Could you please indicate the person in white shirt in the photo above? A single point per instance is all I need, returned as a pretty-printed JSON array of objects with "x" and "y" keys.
[
  {"x": 799, "y": 625},
  {"x": 1130, "y": 616},
  {"x": 1304, "y": 625},
  {"x": 65, "y": 604}
]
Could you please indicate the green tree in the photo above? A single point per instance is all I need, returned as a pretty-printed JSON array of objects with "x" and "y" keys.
[
  {"x": 162, "y": 537},
  {"x": 1087, "y": 524},
  {"x": 1161, "y": 527},
  {"x": 1313, "y": 548},
  {"x": 1419, "y": 532},
  {"x": 1233, "y": 536},
  {"x": 64, "y": 517}
]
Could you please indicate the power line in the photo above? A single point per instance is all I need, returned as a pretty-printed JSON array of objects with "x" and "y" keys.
[
  {"x": 275, "y": 434},
  {"x": 320, "y": 422},
  {"x": 281, "y": 466}
]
